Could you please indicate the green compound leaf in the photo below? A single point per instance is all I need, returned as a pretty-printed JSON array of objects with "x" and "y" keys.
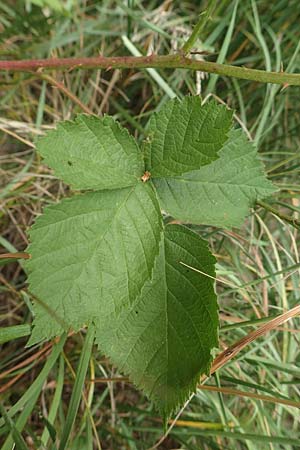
[
  {"x": 221, "y": 193},
  {"x": 103, "y": 257},
  {"x": 92, "y": 153},
  {"x": 90, "y": 254},
  {"x": 186, "y": 135},
  {"x": 164, "y": 340}
]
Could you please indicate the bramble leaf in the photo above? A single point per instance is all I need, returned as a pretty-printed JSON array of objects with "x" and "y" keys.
[
  {"x": 105, "y": 257},
  {"x": 92, "y": 153},
  {"x": 89, "y": 254},
  {"x": 221, "y": 193},
  {"x": 186, "y": 135},
  {"x": 164, "y": 340}
]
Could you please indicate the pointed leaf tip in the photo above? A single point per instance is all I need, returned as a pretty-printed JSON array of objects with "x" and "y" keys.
[{"x": 164, "y": 341}]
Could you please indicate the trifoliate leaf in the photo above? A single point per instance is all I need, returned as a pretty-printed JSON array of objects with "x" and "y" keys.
[
  {"x": 164, "y": 340},
  {"x": 92, "y": 153},
  {"x": 221, "y": 193},
  {"x": 90, "y": 254},
  {"x": 186, "y": 135},
  {"x": 104, "y": 257}
]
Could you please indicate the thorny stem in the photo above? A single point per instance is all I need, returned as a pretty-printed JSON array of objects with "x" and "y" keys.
[
  {"x": 203, "y": 19},
  {"x": 176, "y": 61}
]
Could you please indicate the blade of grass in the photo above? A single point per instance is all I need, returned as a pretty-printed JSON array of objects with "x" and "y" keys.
[
  {"x": 223, "y": 414},
  {"x": 78, "y": 387},
  {"x": 29, "y": 399},
  {"x": 15, "y": 332},
  {"x": 41, "y": 106},
  {"x": 55, "y": 402},
  {"x": 17, "y": 436},
  {"x": 224, "y": 49},
  {"x": 37, "y": 385},
  {"x": 283, "y": 440},
  {"x": 234, "y": 349},
  {"x": 239, "y": 393},
  {"x": 152, "y": 72},
  {"x": 205, "y": 16}
]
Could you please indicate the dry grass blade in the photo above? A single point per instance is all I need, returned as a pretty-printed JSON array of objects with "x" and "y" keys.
[
  {"x": 265, "y": 398},
  {"x": 19, "y": 255},
  {"x": 231, "y": 352},
  {"x": 16, "y": 136},
  {"x": 234, "y": 349},
  {"x": 67, "y": 92}
]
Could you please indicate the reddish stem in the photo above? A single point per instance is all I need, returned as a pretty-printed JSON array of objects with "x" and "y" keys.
[{"x": 176, "y": 61}]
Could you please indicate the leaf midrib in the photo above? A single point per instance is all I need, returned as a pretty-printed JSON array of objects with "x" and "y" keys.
[{"x": 216, "y": 183}]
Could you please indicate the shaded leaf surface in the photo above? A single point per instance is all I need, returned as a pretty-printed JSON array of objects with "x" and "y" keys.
[
  {"x": 186, "y": 135},
  {"x": 164, "y": 340},
  {"x": 221, "y": 193}
]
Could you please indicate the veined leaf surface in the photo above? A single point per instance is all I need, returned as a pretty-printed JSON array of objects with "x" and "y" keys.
[
  {"x": 221, "y": 193},
  {"x": 104, "y": 256},
  {"x": 186, "y": 135},
  {"x": 92, "y": 153},
  {"x": 164, "y": 340},
  {"x": 90, "y": 254}
]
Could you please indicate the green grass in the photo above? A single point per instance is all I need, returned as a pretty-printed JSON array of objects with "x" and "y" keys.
[{"x": 40, "y": 387}]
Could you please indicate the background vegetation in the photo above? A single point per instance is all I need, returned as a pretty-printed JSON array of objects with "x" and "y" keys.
[{"x": 253, "y": 402}]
